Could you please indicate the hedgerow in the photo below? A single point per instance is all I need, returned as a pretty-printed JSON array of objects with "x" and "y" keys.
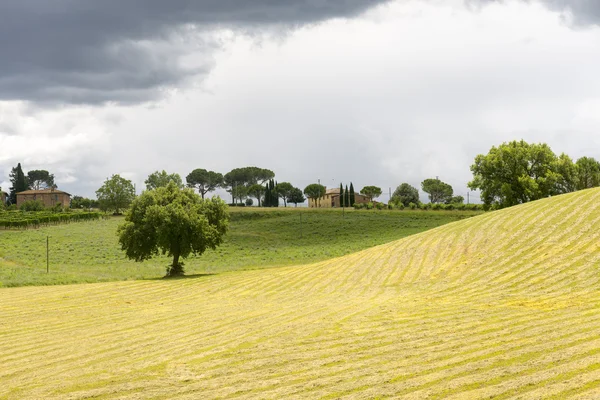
[{"x": 35, "y": 219}]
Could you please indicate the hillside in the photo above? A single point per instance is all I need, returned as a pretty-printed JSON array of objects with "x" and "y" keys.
[
  {"x": 89, "y": 252},
  {"x": 502, "y": 305}
]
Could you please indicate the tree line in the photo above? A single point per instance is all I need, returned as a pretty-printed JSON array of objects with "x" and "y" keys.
[
  {"x": 511, "y": 173},
  {"x": 242, "y": 183},
  {"x": 518, "y": 172}
]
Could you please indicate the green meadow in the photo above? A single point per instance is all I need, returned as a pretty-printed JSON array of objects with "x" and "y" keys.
[{"x": 85, "y": 252}]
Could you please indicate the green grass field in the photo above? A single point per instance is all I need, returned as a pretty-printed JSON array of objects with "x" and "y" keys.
[
  {"x": 259, "y": 238},
  {"x": 504, "y": 305}
]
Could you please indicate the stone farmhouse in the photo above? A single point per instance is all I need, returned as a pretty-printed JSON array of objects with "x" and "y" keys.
[
  {"x": 3, "y": 197},
  {"x": 49, "y": 197},
  {"x": 332, "y": 199}
]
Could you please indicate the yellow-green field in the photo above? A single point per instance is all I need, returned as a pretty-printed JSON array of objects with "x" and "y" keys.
[{"x": 503, "y": 305}]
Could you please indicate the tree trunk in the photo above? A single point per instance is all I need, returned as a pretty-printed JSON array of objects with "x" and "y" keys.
[{"x": 176, "y": 269}]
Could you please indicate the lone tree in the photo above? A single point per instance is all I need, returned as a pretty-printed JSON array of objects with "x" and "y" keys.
[
  {"x": 116, "y": 194},
  {"x": 296, "y": 197},
  {"x": 203, "y": 180},
  {"x": 439, "y": 192},
  {"x": 19, "y": 183},
  {"x": 406, "y": 194},
  {"x": 40, "y": 179},
  {"x": 371, "y": 192},
  {"x": 315, "y": 191},
  {"x": 174, "y": 222},
  {"x": 161, "y": 179}
]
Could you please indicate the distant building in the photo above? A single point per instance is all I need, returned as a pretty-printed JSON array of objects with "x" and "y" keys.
[
  {"x": 332, "y": 199},
  {"x": 49, "y": 197},
  {"x": 3, "y": 197}
]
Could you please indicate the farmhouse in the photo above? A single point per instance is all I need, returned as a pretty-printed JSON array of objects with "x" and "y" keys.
[
  {"x": 332, "y": 199},
  {"x": 3, "y": 197},
  {"x": 49, "y": 197}
]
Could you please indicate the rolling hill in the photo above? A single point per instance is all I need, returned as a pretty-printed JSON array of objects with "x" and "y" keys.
[{"x": 502, "y": 305}]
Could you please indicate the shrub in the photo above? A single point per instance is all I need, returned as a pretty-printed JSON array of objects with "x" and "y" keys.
[
  {"x": 380, "y": 206},
  {"x": 370, "y": 205},
  {"x": 249, "y": 202},
  {"x": 412, "y": 206},
  {"x": 400, "y": 206},
  {"x": 359, "y": 206},
  {"x": 449, "y": 207},
  {"x": 32, "y": 205},
  {"x": 436, "y": 206}
]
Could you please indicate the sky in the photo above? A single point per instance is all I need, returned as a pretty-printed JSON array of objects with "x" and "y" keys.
[{"x": 363, "y": 91}]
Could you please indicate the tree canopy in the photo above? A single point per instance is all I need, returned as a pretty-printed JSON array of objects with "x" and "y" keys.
[
  {"x": 116, "y": 194},
  {"x": 588, "y": 173},
  {"x": 40, "y": 179},
  {"x": 406, "y": 194},
  {"x": 439, "y": 192},
  {"x": 371, "y": 192},
  {"x": 315, "y": 191},
  {"x": 518, "y": 172},
  {"x": 238, "y": 180},
  {"x": 161, "y": 179},
  {"x": 204, "y": 181},
  {"x": 284, "y": 190},
  {"x": 296, "y": 197},
  {"x": 257, "y": 191},
  {"x": 172, "y": 221}
]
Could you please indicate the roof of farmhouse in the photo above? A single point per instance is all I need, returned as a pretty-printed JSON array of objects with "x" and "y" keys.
[{"x": 44, "y": 191}]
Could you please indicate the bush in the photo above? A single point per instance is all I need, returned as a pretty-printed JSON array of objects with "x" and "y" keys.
[
  {"x": 380, "y": 206},
  {"x": 359, "y": 206},
  {"x": 412, "y": 206},
  {"x": 400, "y": 206},
  {"x": 370, "y": 205},
  {"x": 32, "y": 205},
  {"x": 436, "y": 206},
  {"x": 249, "y": 202}
]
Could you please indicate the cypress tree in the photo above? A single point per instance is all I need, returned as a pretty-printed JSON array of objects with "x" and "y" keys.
[
  {"x": 266, "y": 199},
  {"x": 342, "y": 203},
  {"x": 352, "y": 197},
  {"x": 19, "y": 183},
  {"x": 347, "y": 197}
]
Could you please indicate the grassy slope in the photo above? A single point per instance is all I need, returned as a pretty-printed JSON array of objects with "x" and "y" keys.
[
  {"x": 89, "y": 252},
  {"x": 503, "y": 305}
]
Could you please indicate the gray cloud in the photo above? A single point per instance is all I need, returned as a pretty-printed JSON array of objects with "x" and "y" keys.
[
  {"x": 583, "y": 12},
  {"x": 91, "y": 52}
]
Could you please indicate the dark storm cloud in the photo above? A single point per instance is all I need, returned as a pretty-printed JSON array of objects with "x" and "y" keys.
[{"x": 95, "y": 51}]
